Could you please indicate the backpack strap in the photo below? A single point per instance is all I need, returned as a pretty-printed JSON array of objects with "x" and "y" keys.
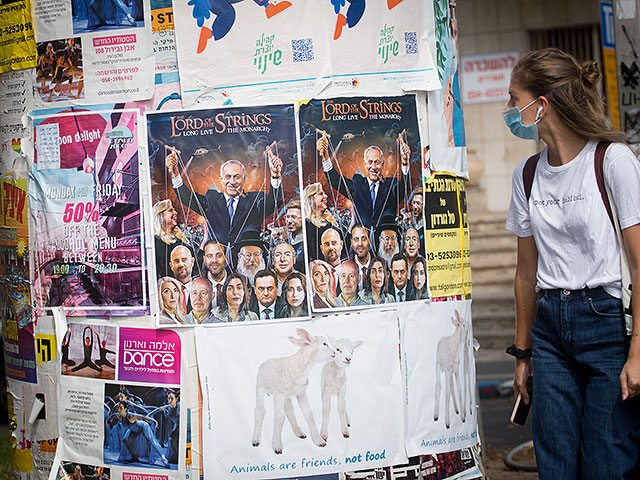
[
  {"x": 528, "y": 172},
  {"x": 598, "y": 165}
]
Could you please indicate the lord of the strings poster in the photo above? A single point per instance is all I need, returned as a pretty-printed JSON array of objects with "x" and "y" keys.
[
  {"x": 363, "y": 201},
  {"x": 84, "y": 201},
  {"x": 227, "y": 219}
]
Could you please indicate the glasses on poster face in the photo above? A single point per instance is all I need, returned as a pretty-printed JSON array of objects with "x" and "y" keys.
[{"x": 248, "y": 256}]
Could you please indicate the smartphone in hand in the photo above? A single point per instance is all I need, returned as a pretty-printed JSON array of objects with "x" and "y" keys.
[{"x": 521, "y": 409}]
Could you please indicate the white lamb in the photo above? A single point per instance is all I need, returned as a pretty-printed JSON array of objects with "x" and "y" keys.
[
  {"x": 334, "y": 382},
  {"x": 448, "y": 364},
  {"x": 467, "y": 354},
  {"x": 288, "y": 377}
]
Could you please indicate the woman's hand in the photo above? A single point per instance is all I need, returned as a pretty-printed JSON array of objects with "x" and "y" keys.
[
  {"x": 630, "y": 378},
  {"x": 523, "y": 370}
]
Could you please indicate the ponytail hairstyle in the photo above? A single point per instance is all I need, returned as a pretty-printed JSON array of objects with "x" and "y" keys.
[{"x": 571, "y": 88}]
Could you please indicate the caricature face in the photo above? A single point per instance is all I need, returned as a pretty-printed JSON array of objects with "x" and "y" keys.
[
  {"x": 373, "y": 164},
  {"x": 252, "y": 256},
  {"x": 214, "y": 258},
  {"x": 399, "y": 273},
  {"x": 235, "y": 293},
  {"x": 360, "y": 242},
  {"x": 232, "y": 178},
  {"x": 389, "y": 240},
  {"x": 170, "y": 218},
  {"x": 320, "y": 201},
  {"x": 170, "y": 295},
  {"x": 283, "y": 258},
  {"x": 349, "y": 278},
  {"x": 416, "y": 205},
  {"x": 321, "y": 278},
  {"x": 419, "y": 275},
  {"x": 266, "y": 290},
  {"x": 181, "y": 263},
  {"x": 377, "y": 275},
  {"x": 201, "y": 296},
  {"x": 331, "y": 246},
  {"x": 295, "y": 292},
  {"x": 293, "y": 220},
  {"x": 411, "y": 242}
]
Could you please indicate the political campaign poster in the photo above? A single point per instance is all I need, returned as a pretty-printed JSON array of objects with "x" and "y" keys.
[
  {"x": 342, "y": 417},
  {"x": 133, "y": 424},
  {"x": 90, "y": 53},
  {"x": 378, "y": 45},
  {"x": 447, "y": 236},
  {"x": 226, "y": 215},
  {"x": 18, "y": 41},
  {"x": 363, "y": 201},
  {"x": 250, "y": 51},
  {"x": 437, "y": 354},
  {"x": 446, "y": 123},
  {"x": 84, "y": 199}
]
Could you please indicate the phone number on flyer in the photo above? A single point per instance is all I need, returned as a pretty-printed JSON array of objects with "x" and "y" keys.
[
  {"x": 449, "y": 255},
  {"x": 120, "y": 78},
  {"x": 17, "y": 28}
]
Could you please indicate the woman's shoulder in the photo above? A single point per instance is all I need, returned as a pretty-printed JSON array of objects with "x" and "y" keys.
[{"x": 251, "y": 316}]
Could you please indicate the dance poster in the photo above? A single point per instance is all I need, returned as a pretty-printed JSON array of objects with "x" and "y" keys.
[
  {"x": 84, "y": 198},
  {"x": 447, "y": 236},
  {"x": 18, "y": 42},
  {"x": 342, "y": 418},
  {"x": 437, "y": 354},
  {"x": 363, "y": 201},
  {"x": 134, "y": 429},
  {"x": 379, "y": 44},
  {"x": 446, "y": 125},
  {"x": 251, "y": 51},
  {"x": 227, "y": 217},
  {"x": 93, "y": 52}
]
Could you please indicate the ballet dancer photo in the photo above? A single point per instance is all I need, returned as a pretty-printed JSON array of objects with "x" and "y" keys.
[{"x": 89, "y": 351}]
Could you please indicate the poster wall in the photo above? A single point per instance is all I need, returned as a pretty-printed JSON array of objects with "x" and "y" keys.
[
  {"x": 447, "y": 238},
  {"x": 333, "y": 357},
  {"x": 363, "y": 201},
  {"x": 250, "y": 51},
  {"x": 84, "y": 198},
  {"x": 93, "y": 53},
  {"x": 227, "y": 216},
  {"x": 124, "y": 424},
  {"x": 437, "y": 355}
]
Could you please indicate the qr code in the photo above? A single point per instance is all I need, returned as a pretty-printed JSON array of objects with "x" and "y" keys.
[
  {"x": 411, "y": 43},
  {"x": 302, "y": 50}
]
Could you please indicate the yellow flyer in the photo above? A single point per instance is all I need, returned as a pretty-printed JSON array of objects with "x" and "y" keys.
[
  {"x": 447, "y": 236},
  {"x": 17, "y": 42}
]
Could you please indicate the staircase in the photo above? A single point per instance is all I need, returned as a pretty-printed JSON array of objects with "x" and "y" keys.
[{"x": 493, "y": 262}]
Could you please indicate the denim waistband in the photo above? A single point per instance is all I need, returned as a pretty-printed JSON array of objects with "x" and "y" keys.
[{"x": 564, "y": 293}]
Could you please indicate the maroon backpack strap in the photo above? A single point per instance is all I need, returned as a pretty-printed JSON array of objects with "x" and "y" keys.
[
  {"x": 598, "y": 165},
  {"x": 528, "y": 172}
]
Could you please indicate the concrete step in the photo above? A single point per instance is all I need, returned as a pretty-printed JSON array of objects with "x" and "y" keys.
[
  {"x": 493, "y": 244},
  {"x": 494, "y": 339},
  {"x": 498, "y": 277},
  {"x": 494, "y": 260}
]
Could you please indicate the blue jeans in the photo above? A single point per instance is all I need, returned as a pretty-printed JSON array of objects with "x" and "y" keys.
[{"x": 581, "y": 427}]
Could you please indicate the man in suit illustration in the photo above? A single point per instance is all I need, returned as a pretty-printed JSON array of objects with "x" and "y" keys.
[
  {"x": 233, "y": 211},
  {"x": 373, "y": 195}
]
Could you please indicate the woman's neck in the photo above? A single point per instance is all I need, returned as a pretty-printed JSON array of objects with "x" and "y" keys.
[
  {"x": 233, "y": 312},
  {"x": 376, "y": 293},
  {"x": 295, "y": 311},
  {"x": 563, "y": 145}
]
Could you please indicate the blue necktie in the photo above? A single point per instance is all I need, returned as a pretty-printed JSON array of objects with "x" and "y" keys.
[
  {"x": 373, "y": 196},
  {"x": 230, "y": 210}
]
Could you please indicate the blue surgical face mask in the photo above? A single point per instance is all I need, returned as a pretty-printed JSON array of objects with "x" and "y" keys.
[{"x": 513, "y": 119}]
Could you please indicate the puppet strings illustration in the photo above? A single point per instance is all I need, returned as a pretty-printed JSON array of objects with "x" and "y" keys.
[
  {"x": 139, "y": 431},
  {"x": 286, "y": 377}
]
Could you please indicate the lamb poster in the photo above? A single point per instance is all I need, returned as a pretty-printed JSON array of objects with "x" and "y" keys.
[
  {"x": 347, "y": 415},
  {"x": 437, "y": 351}
]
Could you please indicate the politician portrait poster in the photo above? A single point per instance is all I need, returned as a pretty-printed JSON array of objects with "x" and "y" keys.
[
  {"x": 227, "y": 218},
  {"x": 363, "y": 201}
]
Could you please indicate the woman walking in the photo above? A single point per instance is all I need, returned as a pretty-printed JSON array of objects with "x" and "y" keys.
[{"x": 569, "y": 317}]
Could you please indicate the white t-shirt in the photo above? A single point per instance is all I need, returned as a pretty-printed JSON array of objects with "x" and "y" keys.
[{"x": 577, "y": 245}]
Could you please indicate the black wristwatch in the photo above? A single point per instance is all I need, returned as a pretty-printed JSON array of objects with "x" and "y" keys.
[{"x": 518, "y": 352}]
